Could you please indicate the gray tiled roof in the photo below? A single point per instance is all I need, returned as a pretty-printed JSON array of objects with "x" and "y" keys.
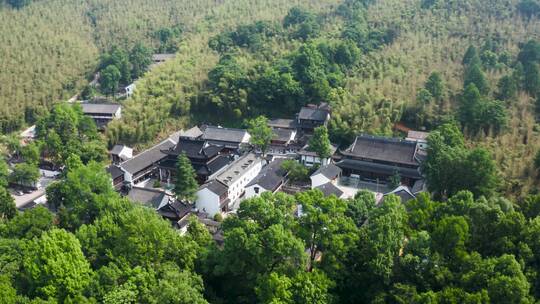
[
  {"x": 283, "y": 123},
  {"x": 115, "y": 171},
  {"x": 100, "y": 108},
  {"x": 148, "y": 157},
  {"x": 384, "y": 149},
  {"x": 117, "y": 149},
  {"x": 330, "y": 171},
  {"x": 329, "y": 189},
  {"x": 238, "y": 168},
  {"x": 213, "y": 133},
  {"x": 271, "y": 176},
  {"x": 379, "y": 168},
  {"x": 282, "y": 134},
  {"x": 149, "y": 197},
  {"x": 316, "y": 114},
  {"x": 216, "y": 187}
]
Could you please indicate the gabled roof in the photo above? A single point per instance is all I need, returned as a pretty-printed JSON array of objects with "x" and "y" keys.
[
  {"x": 118, "y": 149},
  {"x": 282, "y": 134},
  {"x": 216, "y": 187},
  {"x": 330, "y": 171},
  {"x": 283, "y": 123},
  {"x": 191, "y": 133},
  {"x": 196, "y": 148},
  {"x": 214, "y": 133},
  {"x": 100, "y": 108},
  {"x": 153, "y": 198},
  {"x": 419, "y": 186},
  {"x": 403, "y": 193},
  {"x": 147, "y": 157},
  {"x": 329, "y": 189},
  {"x": 270, "y": 176},
  {"x": 383, "y": 149},
  {"x": 115, "y": 171},
  {"x": 370, "y": 166},
  {"x": 317, "y": 114}
]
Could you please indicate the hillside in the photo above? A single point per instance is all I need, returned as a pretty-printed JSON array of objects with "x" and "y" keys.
[{"x": 376, "y": 91}]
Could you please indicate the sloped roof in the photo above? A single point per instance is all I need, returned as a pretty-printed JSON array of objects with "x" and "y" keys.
[
  {"x": 100, "y": 108},
  {"x": 270, "y": 176},
  {"x": 317, "y": 114},
  {"x": 117, "y": 149},
  {"x": 417, "y": 135},
  {"x": 403, "y": 193},
  {"x": 330, "y": 171},
  {"x": 147, "y": 157},
  {"x": 238, "y": 168},
  {"x": 379, "y": 168},
  {"x": 282, "y": 123},
  {"x": 384, "y": 149},
  {"x": 329, "y": 189},
  {"x": 115, "y": 171},
  {"x": 149, "y": 197},
  {"x": 216, "y": 187},
  {"x": 196, "y": 148},
  {"x": 282, "y": 134},
  {"x": 223, "y": 134}
]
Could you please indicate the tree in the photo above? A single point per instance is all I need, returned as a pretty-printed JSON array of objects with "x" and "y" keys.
[
  {"x": 7, "y": 205},
  {"x": 296, "y": 172},
  {"x": 450, "y": 167},
  {"x": 320, "y": 143},
  {"x": 31, "y": 153},
  {"x": 83, "y": 195},
  {"x": 537, "y": 160},
  {"x": 529, "y": 8},
  {"x": 395, "y": 180},
  {"x": 532, "y": 79},
  {"x": 186, "y": 184},
  {"x": 471, "y": 56},
  {"x": 29, "y": 224},
  {"x": 109, "y": 79},
  {"x": 325, "y": 230},
  {"x": 140, "y": 58},
  {"x": 261, "y": 133},
  {"x": 54, "y": 266},
  {"x": 450, "y": 235},
  {"x": 25, "y": 174},
  {"x": 4, "y": 173},
  {"x": 474, "y": 75},
  {"x": 507, "y": 88},
  {"x": 435, "y": 86}
]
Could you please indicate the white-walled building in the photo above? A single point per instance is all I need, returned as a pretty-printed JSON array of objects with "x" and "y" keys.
[
  {"x": 309, "y": 158},
  {"x": 220, "y": 194},
  {"x": 325, "y": 174},
  {"x": 121, "y": 153}
]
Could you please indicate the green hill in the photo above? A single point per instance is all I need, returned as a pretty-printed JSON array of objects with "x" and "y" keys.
[{"x": 230, "y": 66}]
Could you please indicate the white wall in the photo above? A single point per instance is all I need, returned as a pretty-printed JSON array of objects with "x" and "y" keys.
[
  {"x": 238, "y": 187},
  {"x": 207, "y": 201},
  {"x": 317, "y": 180},
  {"x": 309, "y": 161},
  {"x": 250, "y": 191}
]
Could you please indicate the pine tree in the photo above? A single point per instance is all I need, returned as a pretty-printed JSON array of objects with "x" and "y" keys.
[
  {"x": 475, "y": 75},
  {"x": 435, "y": 86},
  {"x": 186, "y": 184}
]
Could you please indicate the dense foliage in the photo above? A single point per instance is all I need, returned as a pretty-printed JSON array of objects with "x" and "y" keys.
[{"x": 278, "y": 248}]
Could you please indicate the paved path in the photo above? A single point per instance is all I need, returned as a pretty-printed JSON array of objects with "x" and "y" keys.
[{"x": 21, "y": 200}]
